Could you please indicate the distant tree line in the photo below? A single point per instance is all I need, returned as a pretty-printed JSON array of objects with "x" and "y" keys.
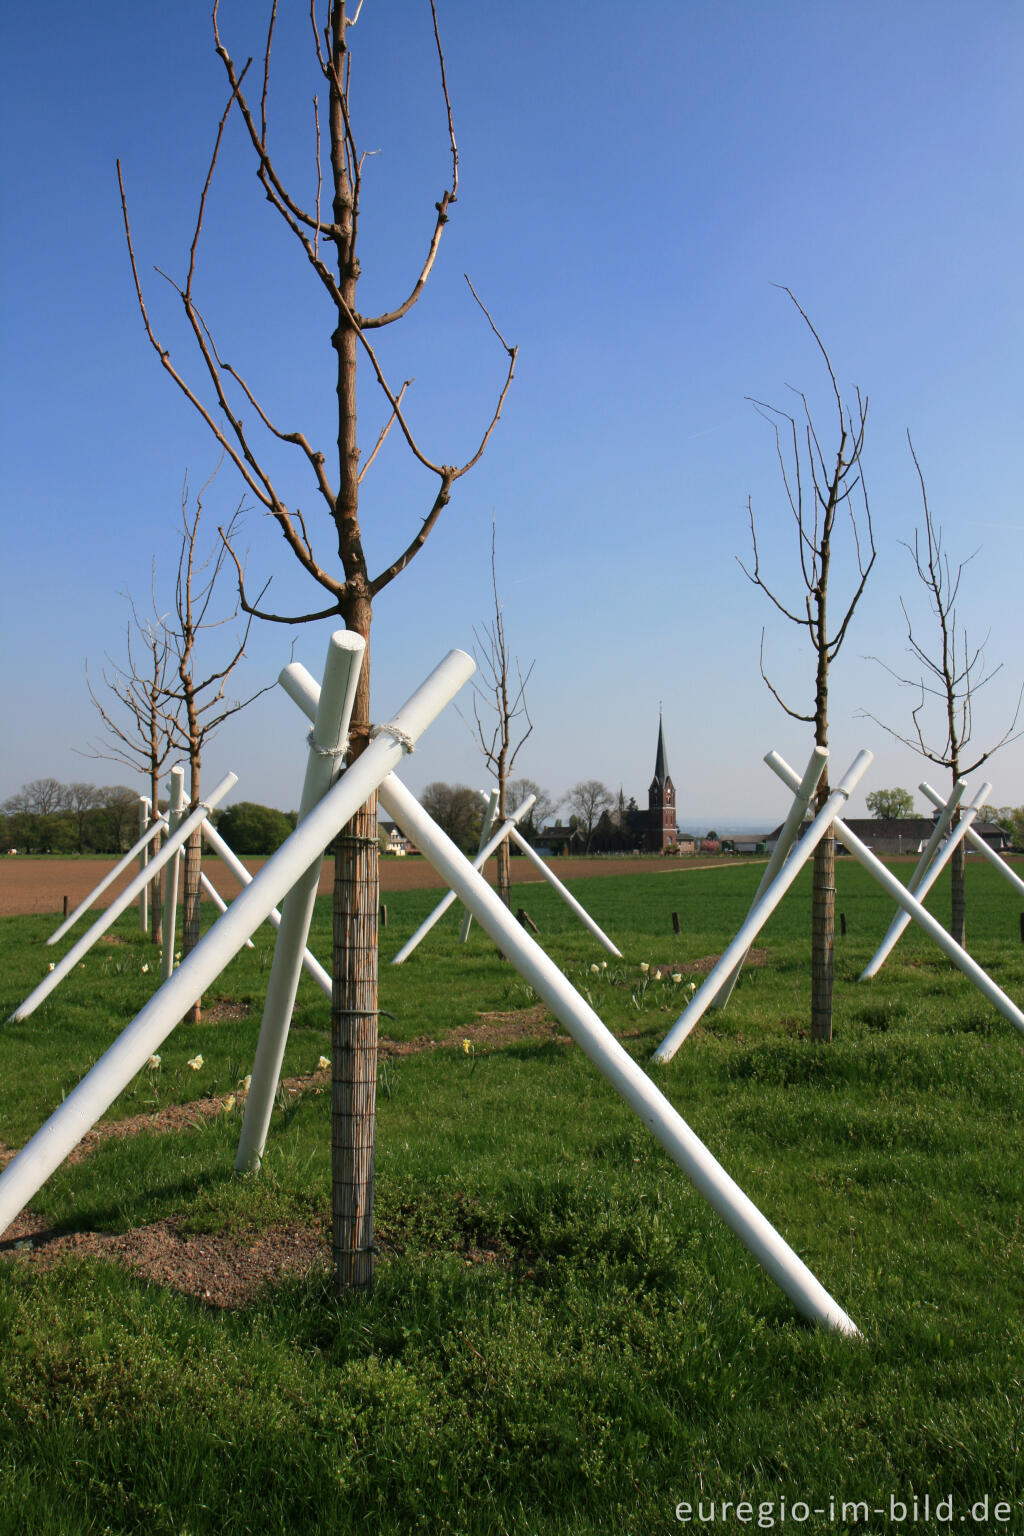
[{"x": 46, "y": 816}]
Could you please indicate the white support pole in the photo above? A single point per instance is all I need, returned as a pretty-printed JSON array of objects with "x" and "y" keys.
[
  {"x": 762, "y": 910},
  {"x": 925, "y": 877},
  {"x": 898, "y": 891},
  {"x": 218, "y": 900},
  {"x": 145, "y": 1034},
  {"x": 145, "y": 806},
  {"x": 685, "y": 1148},
  {"x": 328, "y": 743},
  {"x": 106, "y": 919},
  {"x": 486, "y": 827},
  {"x": 310, "y": 962},
  {"x": 495, "y": 841},
  {"x": 175, "y": 812},
  {"x": 787, "y": 837},
  {"x": 566, "y": 895},
  {"x": 107, "y": 881},
  {"x": 979, "y": 845}
]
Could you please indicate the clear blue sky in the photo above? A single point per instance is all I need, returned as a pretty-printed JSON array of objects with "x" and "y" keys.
[{"x": 634, "y": 180}]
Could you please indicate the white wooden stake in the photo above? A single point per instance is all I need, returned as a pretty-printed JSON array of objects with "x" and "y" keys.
[
  {"x": 898, "y": 891},
  {"x": 144, "y": 1035},
  {"x": 486, "y": 827},
  {"x": 566, "y": 895},
  {"x": 107, "y": 881},
  {"x": 979, "y": 845},
  {"x": 310, "y": 963},
  {"x": 763, "y": 909},
  {"x": 175, "y": 812},
  {"x": 771, "y": 1251},
  {"x": 787, "y": 837},
  {"x": 495, "y": 841},
  {"x": 106, "y": 919},
  {"x": 930, "y": 866},
  {"x": 328, "y": 742}
]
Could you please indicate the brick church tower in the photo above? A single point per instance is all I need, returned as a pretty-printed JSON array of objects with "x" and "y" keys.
[{"x": 661, "y": 802}]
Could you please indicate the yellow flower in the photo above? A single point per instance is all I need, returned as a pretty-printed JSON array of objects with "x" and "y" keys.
[
  {"x": 467, "y": 1046},
  {"x": 229, "y": 1102},
  {"x": 195, "y": 1062},
  {"x": 676, "y": 977},
  {"x": 324, "y": 1063}
]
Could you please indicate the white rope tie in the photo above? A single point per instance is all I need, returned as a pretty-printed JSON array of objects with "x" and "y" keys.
[
  {"x": 321, "y": 751},
  {"x": 405, "y": 741}
]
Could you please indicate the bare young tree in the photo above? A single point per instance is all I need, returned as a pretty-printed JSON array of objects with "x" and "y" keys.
[
  {"x": 501, "y": 696},
  {"x": 138, "y": 722},
  {"x": 542, "y": 810},
  {"x": 250, "y": 435},
  {"x": 952, "y": 672},
  {"x": 197, "y": 703},
  {"x": 819, "y": 490},
  {"x": 587, "y": 800}
]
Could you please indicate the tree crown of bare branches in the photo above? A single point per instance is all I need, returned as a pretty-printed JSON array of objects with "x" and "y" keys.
[
  {"x": 498, "y": 692},
  {"x": 954, "y": 673},
  {"x": 315, "y": 234},
  {"x": 815, "y": 509}
]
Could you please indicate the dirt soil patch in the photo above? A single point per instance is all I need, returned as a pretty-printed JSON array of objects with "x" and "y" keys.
[
  {"x": 226, "y": 1270},
  {"x": 34, "y": 885}
]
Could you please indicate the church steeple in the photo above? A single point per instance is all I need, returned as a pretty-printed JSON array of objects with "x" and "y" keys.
[{"x": 661, "y": 800}]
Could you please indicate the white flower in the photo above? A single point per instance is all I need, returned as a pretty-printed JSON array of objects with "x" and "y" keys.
[
  {"x": 324, "y": 1063},
  {"x": 604, "y": 965},
  {"x": 596, "y": 970},
  {"x": 692, "y": 987},
  {"x": 153, "y": 1063},
  {"x": 51, "y": 965},
  {"x": 243, "y": 1083},
  {"x": 145, "y": 968},
  {"x": 195, "y": 1062},
  {"x": 676, "y": 977},
  {"x": 644, "y": 966}
]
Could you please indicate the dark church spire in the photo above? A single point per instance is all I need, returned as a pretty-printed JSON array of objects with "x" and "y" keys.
[
  {"x": 661, "y": 760},
  {"x": 661, "y": 800}
]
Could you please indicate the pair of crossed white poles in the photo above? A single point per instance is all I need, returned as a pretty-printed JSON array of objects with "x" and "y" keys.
[{"x": 788, "y": 858}]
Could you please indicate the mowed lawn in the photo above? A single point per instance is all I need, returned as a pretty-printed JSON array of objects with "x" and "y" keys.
[{"x": 563, "y": 1338}]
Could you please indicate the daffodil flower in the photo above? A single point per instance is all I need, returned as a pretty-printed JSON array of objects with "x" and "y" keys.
[
  {"x": 324, "y": 1063},
  {"x": 195, "y": 1062},
  {"x": 153, "y": 1063}
]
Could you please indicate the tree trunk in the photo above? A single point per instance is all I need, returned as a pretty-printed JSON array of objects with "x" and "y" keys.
[
  {"x": 958, "y": 873},
  {"x": 354, "y": 1050},
  {"x": 823, "y": 937},
  {"x": 505, "y": 874}
]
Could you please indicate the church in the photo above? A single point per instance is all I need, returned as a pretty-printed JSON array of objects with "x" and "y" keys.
[{"x": 661, "y": 802}]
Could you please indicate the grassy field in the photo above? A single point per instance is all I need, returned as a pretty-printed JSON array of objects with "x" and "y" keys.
[{"x": 619, "y": 1353}]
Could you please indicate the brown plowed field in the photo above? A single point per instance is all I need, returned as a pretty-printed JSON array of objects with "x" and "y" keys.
[{"x": 29, "y": 885}]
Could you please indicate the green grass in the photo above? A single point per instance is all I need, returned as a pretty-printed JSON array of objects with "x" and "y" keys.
[{"x": 622, "y": 1352}]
